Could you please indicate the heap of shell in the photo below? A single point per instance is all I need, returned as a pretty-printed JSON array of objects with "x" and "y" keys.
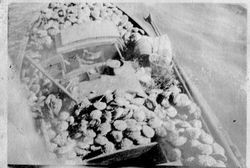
[
  {"x": 59, "y": 16},
  {"x": 122, "y": 120}
]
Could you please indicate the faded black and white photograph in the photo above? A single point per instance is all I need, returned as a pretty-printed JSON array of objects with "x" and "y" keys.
[{"x": 127, "y": 84}]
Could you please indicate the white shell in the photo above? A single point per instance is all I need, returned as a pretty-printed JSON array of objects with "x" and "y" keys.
[
  {"x": 171, "y": 111},
  {"x": 64, "y": 115},
  {"x": 100, "y": 105}
]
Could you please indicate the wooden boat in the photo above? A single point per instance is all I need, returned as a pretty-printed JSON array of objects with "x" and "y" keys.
[{"x": 152, "y": 153}]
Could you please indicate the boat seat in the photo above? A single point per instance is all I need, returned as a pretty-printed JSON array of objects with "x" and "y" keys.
[{"x": 87, "y": 35}]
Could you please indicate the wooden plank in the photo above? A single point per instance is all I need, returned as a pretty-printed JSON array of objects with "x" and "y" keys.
[
  {"x": 120, "y": 155},
  {"x": 84, "y": 44},
  {"x": 89, "y": 31}
]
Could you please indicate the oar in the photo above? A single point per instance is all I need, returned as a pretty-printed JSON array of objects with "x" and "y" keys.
[{"x": 153, "y": 25}]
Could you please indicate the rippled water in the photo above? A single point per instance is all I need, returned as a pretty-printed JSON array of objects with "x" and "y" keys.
[{"x": 210, "y": 44}]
